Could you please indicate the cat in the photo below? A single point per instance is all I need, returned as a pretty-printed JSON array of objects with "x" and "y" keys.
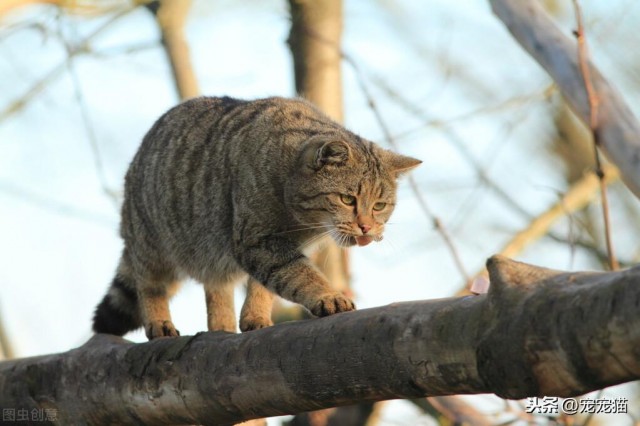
[{"x": 223, "y": 190}]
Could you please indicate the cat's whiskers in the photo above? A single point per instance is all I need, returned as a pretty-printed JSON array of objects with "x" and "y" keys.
[
  {"x": 341, "y": 238},
  {"x": 316, "y": 238},
  {"x": 304, "y": 228},
  {"x": 335, "y": 234}
]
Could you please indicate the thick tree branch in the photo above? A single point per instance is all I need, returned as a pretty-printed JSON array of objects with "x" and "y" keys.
[
  {"x": 537, "y": 332},
  {"x": 618, "y": 128}
]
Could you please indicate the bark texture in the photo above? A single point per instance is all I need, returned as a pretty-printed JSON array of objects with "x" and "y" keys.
[
  {"x": 617, "y": 127},
  {"x": 537, "y": 332}
]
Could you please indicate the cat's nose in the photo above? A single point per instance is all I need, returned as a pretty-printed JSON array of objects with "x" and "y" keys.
[{"x": 364, "y": 228}]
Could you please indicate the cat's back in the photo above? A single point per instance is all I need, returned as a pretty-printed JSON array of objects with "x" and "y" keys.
[
  {"x": 244, "y": 128},
  {"x": 205, "y": 151},
  {"x": 221, "y": 139}
]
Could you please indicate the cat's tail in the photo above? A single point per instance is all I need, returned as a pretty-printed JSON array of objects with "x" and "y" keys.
[{"x": 119, "y": 311}]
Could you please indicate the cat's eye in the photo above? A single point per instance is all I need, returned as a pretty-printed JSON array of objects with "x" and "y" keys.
[
  {"x": 349, "y": 200},
  {"x": 379, "y": 206}
]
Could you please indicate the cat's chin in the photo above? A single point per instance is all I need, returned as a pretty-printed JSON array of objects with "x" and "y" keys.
[
  {"x": 361, "y": 240},
  {"x": 344, "y": 240}
]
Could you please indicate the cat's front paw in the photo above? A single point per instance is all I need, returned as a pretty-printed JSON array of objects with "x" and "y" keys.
[
  {"x": 332, "y": 304},
  {"x": 160, "y": 328},
  {"x": 250, "y": 323}
]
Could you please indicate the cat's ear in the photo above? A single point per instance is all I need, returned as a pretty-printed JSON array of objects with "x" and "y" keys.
[
  {"x": 331, "y": 153},
  {"x": 400, "y": 164}
]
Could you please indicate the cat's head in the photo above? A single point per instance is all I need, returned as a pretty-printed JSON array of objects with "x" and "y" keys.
[{"x": 345, "y": 186}]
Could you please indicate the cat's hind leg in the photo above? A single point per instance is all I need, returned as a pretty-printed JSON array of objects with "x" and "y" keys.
[
  {"x": 256, "y": 310},
  {"x": 154, "y": 298}
]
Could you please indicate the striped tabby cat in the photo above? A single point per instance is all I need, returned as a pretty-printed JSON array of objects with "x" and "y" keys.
[{"x": 223, "y": 189}]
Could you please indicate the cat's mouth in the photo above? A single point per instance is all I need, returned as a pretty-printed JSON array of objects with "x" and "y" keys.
[{"x": 360, "y": 240}]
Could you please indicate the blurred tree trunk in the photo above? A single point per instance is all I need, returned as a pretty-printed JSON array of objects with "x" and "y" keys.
[
  {"x": 314, "y": 40},
  {"x": 171, "y": 16},
  {"x": 316, "y": 29}
]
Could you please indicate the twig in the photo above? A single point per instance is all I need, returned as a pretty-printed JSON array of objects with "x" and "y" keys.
[
  {"x": 589, "y": 246},
  {"x": 452, "y": 136},
  {"x": 445, "y": 123},
  {"x": 78, "y": 48},
  {"x": 45, "y": 202},
  {"x": 88, "y": 126},
  {"x": 594, "y": 102}
]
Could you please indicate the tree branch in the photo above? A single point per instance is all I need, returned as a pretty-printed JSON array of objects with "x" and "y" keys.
[
  {"x": 618, "y": 128},
  {"x": 537, "y": 332}
]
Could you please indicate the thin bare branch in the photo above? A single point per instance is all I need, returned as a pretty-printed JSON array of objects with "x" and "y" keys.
[
  {"x": 594, "y": 102},
  {"x": 81, "y": 47},
  {"x": 52, "y": 205},
  {"x": 445, "y": 123},
  {"x": 88, "y": 127},
  {"x": 452, "y": 136}
]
